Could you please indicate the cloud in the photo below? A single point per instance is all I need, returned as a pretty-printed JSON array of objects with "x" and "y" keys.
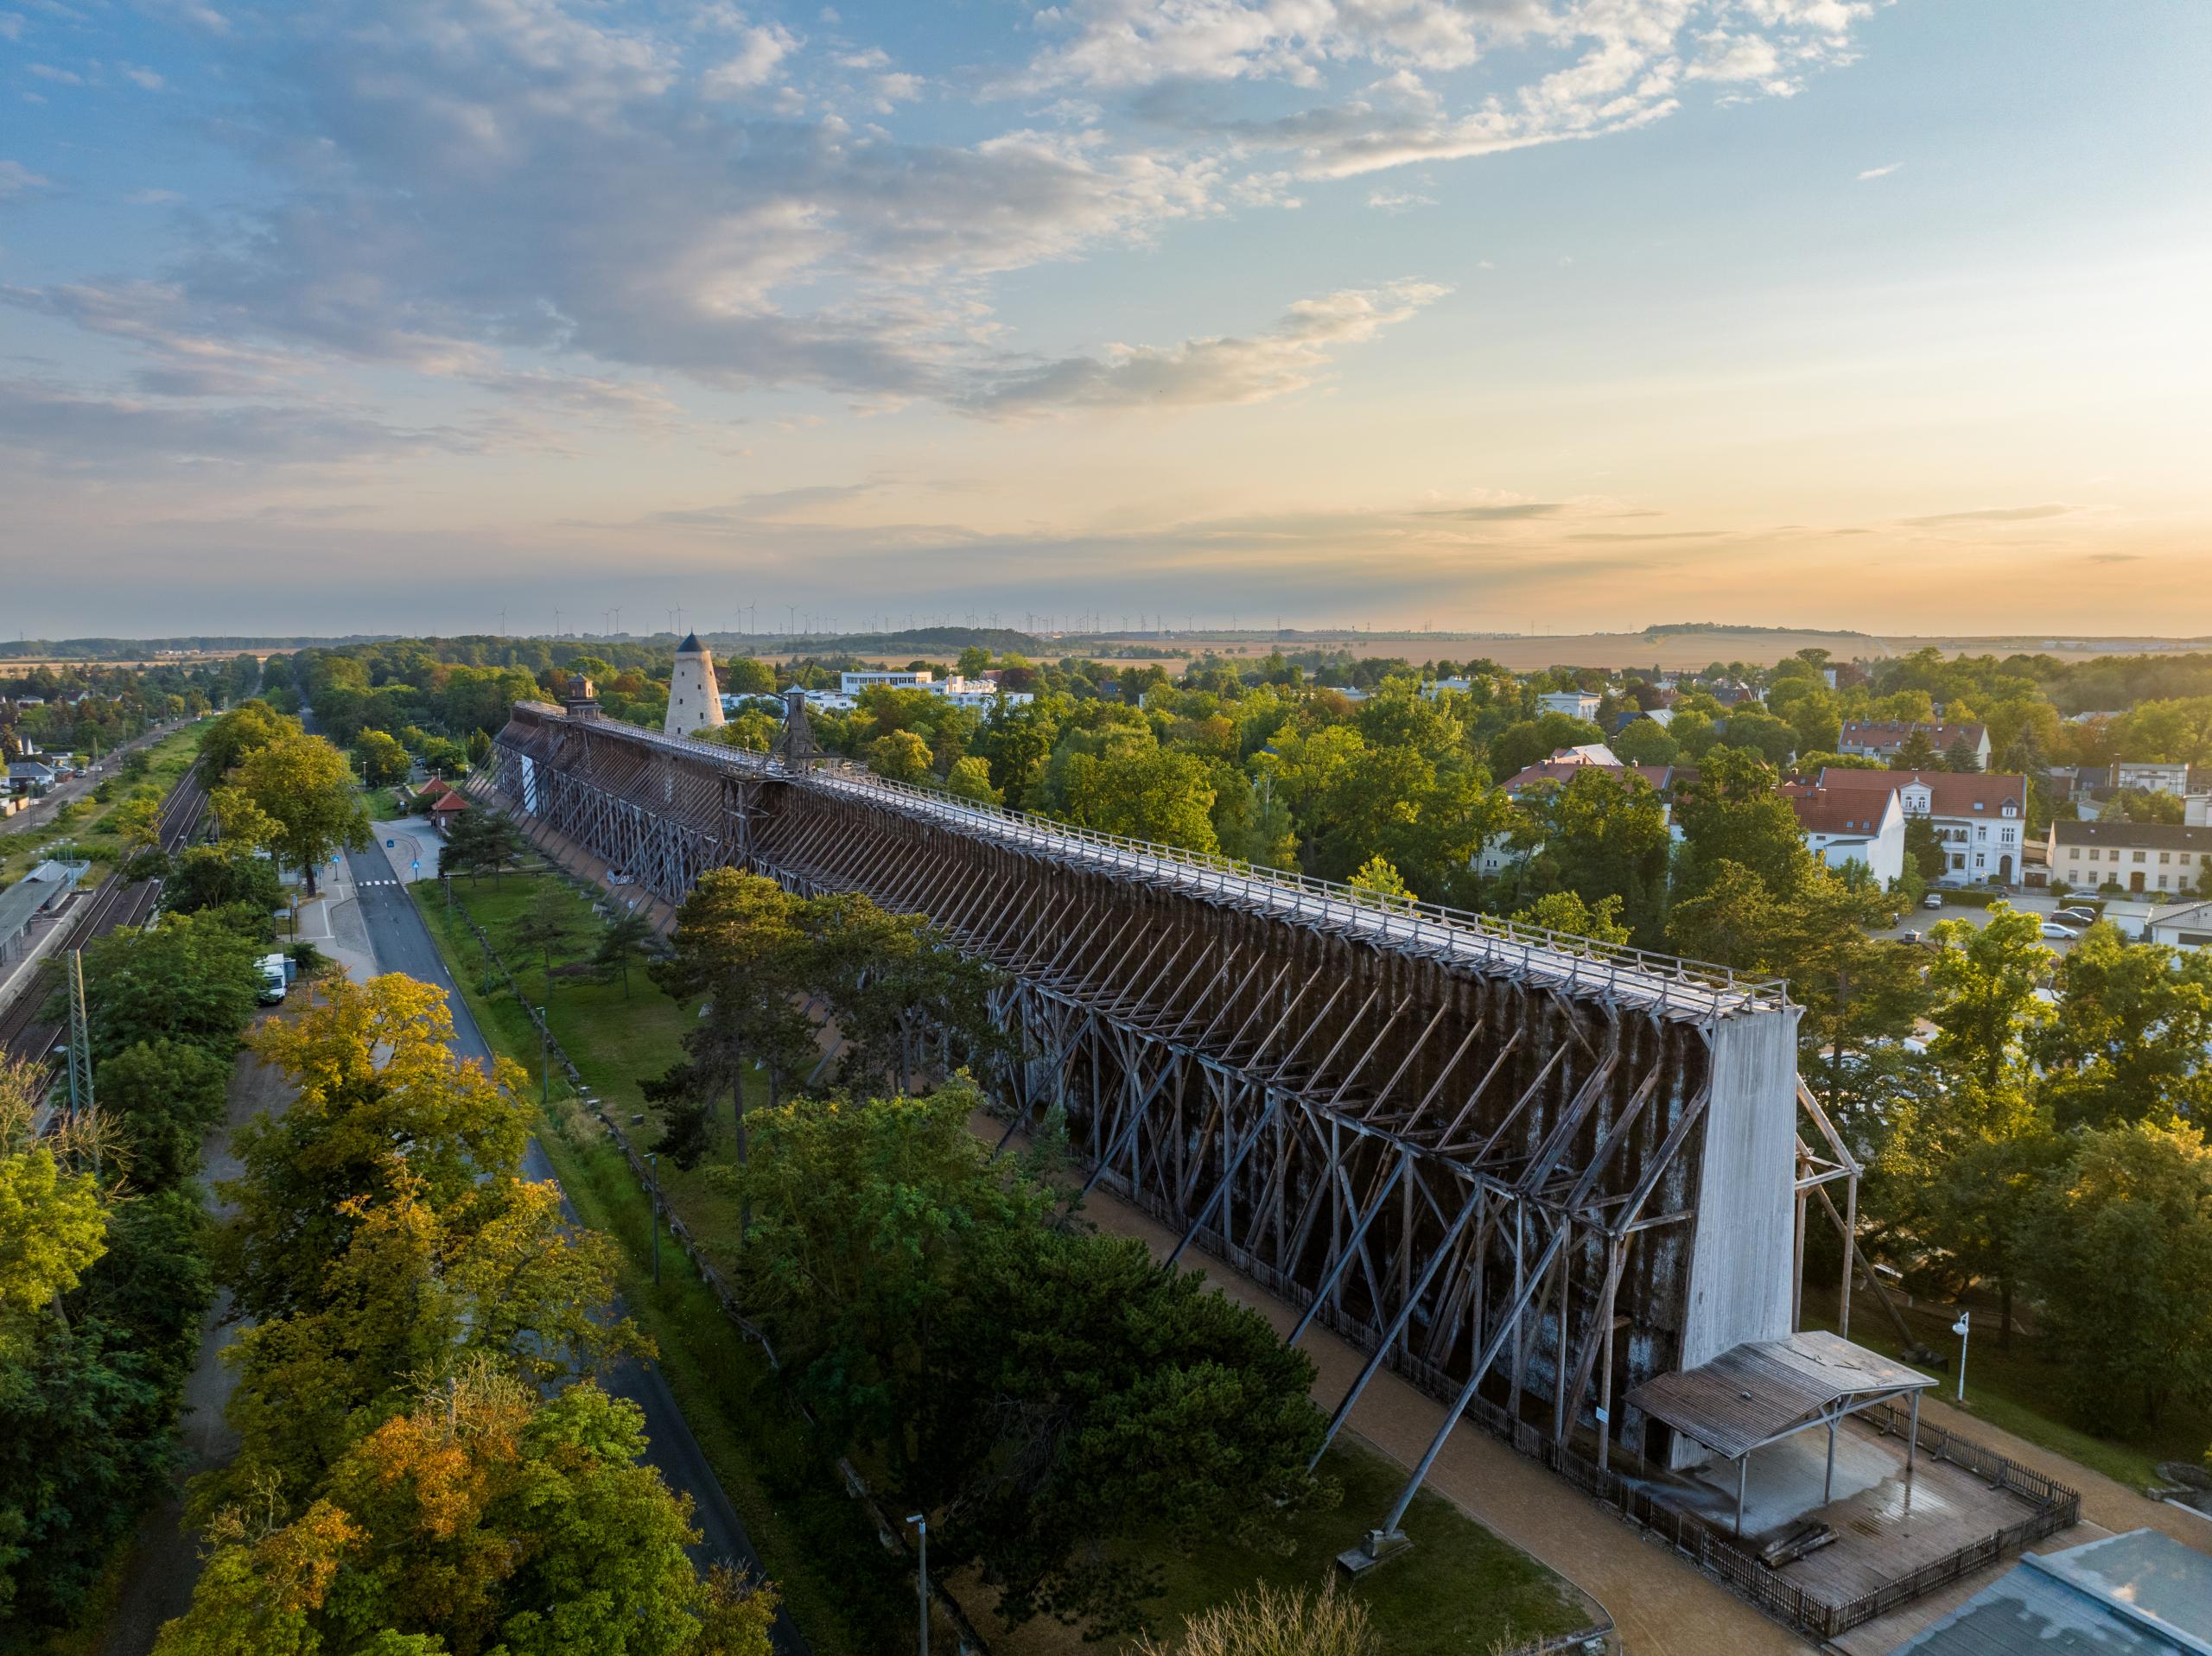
[
  {"x": 1398, "y": 200},
  {"x": 11, "y": 25},
  {"x": 541, "y": 180},
  {"x": 1287, "y": 357},
  {"x": 497, "y": 192},
  {"x": 56, "y": 428},
  {"x": 1511, "y": 511},
  {"x": 764, "y": 47},
  {"x": 60, "y": 77},
  {"x": 1879, "y": 171},
  {"x": 151, "y": 198},
  {"x": 144, "y": 78},
  {"x": 1987, "y": 515},
  {"x": 2112, "y": 557},
  {"x": 16, "y": 179},
  {"x": 1592, "y": 68}
]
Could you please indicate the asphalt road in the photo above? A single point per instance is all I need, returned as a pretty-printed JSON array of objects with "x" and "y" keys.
[{"x": 401, "y": 942}]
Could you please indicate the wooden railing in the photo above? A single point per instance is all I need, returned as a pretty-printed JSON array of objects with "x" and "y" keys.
[{"x": 1575, "y": 962}]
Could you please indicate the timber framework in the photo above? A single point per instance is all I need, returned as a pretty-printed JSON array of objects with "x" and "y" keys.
[{"x": 1531, "y": 1173}]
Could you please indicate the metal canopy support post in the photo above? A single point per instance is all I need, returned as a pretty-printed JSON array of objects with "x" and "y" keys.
[
  {"x": 1742, "y": 1484},
  {"x": 1912, "y": 1439},
  {"x": 1828, "y": 1488}
]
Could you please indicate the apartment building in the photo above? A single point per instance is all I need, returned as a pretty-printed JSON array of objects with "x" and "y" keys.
[
  {"x": 1881, "y": 739},
  {"x": 1980, "y": 821},
  {"x": 2146, "y": 857},
  {"x": 1848, "y": 825}
]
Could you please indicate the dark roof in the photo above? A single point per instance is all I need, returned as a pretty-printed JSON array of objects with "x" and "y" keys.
[
  {"x": 1764, "y": 1389},
  {"x": 2139, "y": 1594},
  {"x": 2146, "y": 836},
  {"x": 691, "y": 646},
  {"x": 1664, "y": 777}
]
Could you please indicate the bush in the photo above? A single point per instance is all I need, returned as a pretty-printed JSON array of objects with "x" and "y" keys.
[
  {"x": 1969, "y": 897},
  {"x": 1267, "y": 1623}
]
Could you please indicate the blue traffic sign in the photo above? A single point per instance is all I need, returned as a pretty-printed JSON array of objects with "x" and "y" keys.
[
  {"x": 416, "y": 865},
  {"x": 388, "y": 844}
]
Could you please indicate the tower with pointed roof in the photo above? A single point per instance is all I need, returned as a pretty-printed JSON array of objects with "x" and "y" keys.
[{"x": 695, "y": 700}]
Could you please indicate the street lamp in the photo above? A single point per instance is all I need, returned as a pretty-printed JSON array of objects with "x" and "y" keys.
[
  {"x": 1959, "y": 1328},
  {"x": 922, "y": 1575}
]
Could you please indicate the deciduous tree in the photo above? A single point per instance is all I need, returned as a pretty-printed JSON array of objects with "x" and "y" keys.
[
  {"x": 382, "y": 1103},
  {"x": 294, "y": 797},
  {"x": 2120, "y": 1246}
]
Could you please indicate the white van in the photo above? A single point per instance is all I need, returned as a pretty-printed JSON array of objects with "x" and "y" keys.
[{"x": 273, "y": 976}]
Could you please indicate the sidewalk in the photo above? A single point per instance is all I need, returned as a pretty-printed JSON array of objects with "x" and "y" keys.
[{"x": 331, "y": 921}]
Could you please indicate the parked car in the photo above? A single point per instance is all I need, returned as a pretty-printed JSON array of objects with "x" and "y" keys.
[
  {"x": 1931, "y": 901},
  {"x": 2077, "y": 917},
  {"x": 2060, "y": 929},
  {"x": 1910, "y": 937}
]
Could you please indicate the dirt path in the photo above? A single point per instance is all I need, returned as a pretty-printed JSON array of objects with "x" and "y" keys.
[
  {"x": 164, "y": 1560},
  {"x": 1659, "y": 1604}
]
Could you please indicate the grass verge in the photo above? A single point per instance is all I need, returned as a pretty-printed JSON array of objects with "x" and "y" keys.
[
  {"x": 1461, "y": 1589},
  {"x": 847, "y": 1594}
]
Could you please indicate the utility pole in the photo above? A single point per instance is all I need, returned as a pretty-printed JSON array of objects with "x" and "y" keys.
[
  {"x": 80, "y": 1041},
  {"x": 653, "y": 1161}
]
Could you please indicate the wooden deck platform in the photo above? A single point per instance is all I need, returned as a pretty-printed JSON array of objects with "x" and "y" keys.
[{"x": 1887, "y": 1523}]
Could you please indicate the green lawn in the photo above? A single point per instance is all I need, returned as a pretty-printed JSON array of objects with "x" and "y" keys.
[
  {"x": 384, "y": 804},
  {"x": 2021, "y": 1392},
  {"x": 1459, "y": 1589}
]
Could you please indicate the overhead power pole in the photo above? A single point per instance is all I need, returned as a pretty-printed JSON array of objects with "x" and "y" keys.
[{"x": 80, "y": 1041}]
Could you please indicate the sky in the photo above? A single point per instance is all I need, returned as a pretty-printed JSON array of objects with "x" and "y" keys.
[{"x": 335, "y": 316}]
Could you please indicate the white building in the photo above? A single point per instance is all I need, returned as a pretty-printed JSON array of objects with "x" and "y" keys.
[
  {"x": 695, "y": 700},
  {"x": 2153, "y": 776},
  {"x": 1575, "y": 704},
  {"x": 920, "y": 679},
  {"x": 1847, "y": 825},
  {"x": 1980, "y": 821},
  {"x": 2188, "y": 928},
  {"x": 977, "y": 693},
  {"x": 2146, "y": 857}
]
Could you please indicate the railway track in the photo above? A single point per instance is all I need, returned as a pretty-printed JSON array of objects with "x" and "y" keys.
[{"x": 23, "y": 1032}]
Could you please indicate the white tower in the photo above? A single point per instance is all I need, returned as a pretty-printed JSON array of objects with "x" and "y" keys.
[{"x": 695, "y": 700}]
